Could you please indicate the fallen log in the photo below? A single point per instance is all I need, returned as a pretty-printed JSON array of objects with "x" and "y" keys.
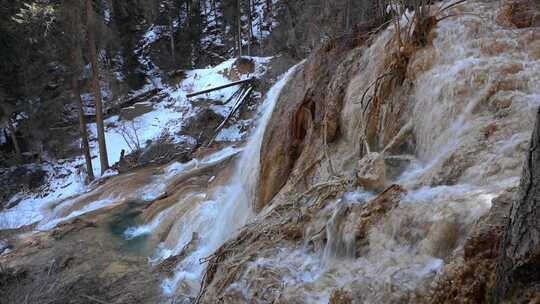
[
  {"x": 126, "y": 102},
  {"x": 220, "y": 87},
  {"x": 236, "y": 94},
  {"x": 246, "y": 92},
  {"x": 235, "y": 108}
]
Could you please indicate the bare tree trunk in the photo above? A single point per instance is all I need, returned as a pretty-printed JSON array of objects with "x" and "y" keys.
[
  {"x": 77, "y": 58},
  {"x": 519, "y": 260},
  {"x": 97, "y": 90},
  {"x": 173, "y": 45},
  {"x": 214, "y": 9},
  {"x": 84, "y": 133},
  {"x": 348, "y": 15},
  {"x": 269, "y": 7},
  {"x": 14, "y": 140},
  {"x": 250, "y": 24},
  {"x": 291, "y": 14},
  {"x": 202, "y": 5},
  {"x": 73, "y": 13},
  {"x": 239, "y": 22}
]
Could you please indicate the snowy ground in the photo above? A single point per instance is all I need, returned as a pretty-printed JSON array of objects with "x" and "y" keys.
[{"x": 66, "y": 177}]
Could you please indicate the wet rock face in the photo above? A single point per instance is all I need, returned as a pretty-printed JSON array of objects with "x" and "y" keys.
[
  {"x": 341, "y": 296},
  {"x": 348, "y": 228},
  {"x": 450, "y": 176},
  {"x": 168, "y": 266},
  {"x": 371, "y": 174},
  {"x": 309, "y": 105},
  {"x": 485, "y": 238},
  {"x": 472, "y": 280},
  {"x": 375, "y": 210},
  {"x": 519, "y": 263},
  {"x": 277, "y": 157},
  {"x": 338, "y": 235},
  {"x": 520, "y": 13}
]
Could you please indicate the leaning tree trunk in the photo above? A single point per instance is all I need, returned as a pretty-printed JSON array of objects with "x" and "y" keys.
[
  {"x": 97, "y": 90},
  {"x": 83, "y": 131},
  {"x": 77, "y": 58},
  {"x": 519, "y": 261},
  {"x": 73, "y": 17}
]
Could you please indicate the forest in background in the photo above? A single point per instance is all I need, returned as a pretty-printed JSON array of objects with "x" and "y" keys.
[
  {"x": 38, "y": 39},
  {"x": 394, "y": 164}
]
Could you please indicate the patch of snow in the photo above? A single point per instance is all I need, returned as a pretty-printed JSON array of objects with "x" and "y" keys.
[
  {"x": 32, "y": 207},
  {"x": 107, "y": 15},
  {"x": 232, "y": 133},
  {"x": 166, "y": 117},
  {"x": 97, "y": 205}
]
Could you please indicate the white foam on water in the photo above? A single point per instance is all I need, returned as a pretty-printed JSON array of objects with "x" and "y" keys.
[{"x": 471, "y": 110}]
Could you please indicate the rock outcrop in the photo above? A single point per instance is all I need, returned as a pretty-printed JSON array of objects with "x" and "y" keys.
[
  {"x": 372, "y": 172},
  {"x": 519, "y": 263},
  {"x": 470, "y": 276},
  {"x": 268, "y": 238},
  {"x": 310, "y": 103}
]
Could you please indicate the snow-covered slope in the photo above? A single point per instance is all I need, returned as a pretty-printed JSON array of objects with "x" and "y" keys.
[{"x": 167, "y": 117}]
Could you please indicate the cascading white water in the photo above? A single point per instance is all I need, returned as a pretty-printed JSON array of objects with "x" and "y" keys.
[
  {"x": 472, "y": 94},
  {"x": 218, "y": 219},
  {"x": 471, "y": 109}
]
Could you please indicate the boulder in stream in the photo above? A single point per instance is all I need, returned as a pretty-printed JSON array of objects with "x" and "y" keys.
[{"x": 371, "y": 174}]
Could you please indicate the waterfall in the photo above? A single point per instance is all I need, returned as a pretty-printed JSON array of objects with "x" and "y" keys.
[
  {"x": 218, "y": 220},
  {"x": 471, "y": 107},
  {"x": 237, "y": 208}
]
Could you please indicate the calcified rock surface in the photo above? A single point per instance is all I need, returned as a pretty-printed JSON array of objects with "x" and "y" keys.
[
  {"x": 452, "y": 122},
  {"x": 370, "y": 178}
]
